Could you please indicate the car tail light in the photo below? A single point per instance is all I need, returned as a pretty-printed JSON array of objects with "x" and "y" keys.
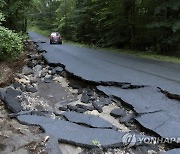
[{"x": 60, "y": 37}]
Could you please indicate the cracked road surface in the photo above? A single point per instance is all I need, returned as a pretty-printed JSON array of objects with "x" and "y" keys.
[
  {"x": 97, "y": 65},
  {"x": 57, "y": 106},
  {"x": 157, "y": 112}
]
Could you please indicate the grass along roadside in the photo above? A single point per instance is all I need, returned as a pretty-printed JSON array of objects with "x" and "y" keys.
[
  {"x": 42, "y": 32},
  {"x": 147, "y": 55}
]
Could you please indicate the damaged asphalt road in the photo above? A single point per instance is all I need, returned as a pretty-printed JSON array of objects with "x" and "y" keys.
[
  {"x": 52, "y": 109},
  {"x": 69, "y": 114},
  {"x": 75, "y": 134},
  {"x": 155, "y": 111},
  {"x": 101, "y": 66}
]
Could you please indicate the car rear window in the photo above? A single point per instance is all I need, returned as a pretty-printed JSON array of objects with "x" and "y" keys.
[{"x": 54, "y": 34}]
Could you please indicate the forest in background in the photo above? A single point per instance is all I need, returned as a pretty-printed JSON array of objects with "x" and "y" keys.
[
  {"x": 13, "y": 26},
  {"x": 147, "y": 25}
]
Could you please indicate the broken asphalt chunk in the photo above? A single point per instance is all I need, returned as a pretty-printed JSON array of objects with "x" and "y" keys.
[
  {"x": 163, "y": 123},
  {"x": 80, "y": 110},
  {"x": 72, "y": 107},
  {"x": 85, "y": 98},
  {"x": 118, "y": 112},
  {"x": 97, "y": 106},
  {"x": 127, "y": 118},
  {"x": 86, "y": 107},
  {"x": 104, "y": 101},
  {"x": 157, "y": 112},
  {"x": 11, "y": 100},
  {"x": 63, "y": 105},
  {"x": 71, "y": 133},
  {"x": 57, "y": 70},
  {"x": 87, "y": 119},
  {"x": 76, "y": 108},
  {"x": 144, "y": 100}
]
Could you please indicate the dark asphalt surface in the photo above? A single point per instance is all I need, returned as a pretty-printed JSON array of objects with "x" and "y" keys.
[
  {"x": 98, "y": 65},
  {"x": 155, "y": 111},
  {"x": 75, "y": 134}
]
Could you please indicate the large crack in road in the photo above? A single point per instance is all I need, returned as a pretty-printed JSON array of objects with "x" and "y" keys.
[
  {"x": 101, "y": 66},
  {"x": 147, "y": 105},
  {"x": 148, "y": 99},
  {"x": 156, "y": 111},
  {"x": 40, "y": 96},
  {"x": 161, "y": 113}
]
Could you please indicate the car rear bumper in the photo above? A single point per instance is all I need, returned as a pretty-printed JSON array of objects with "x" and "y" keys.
[{"x": 55, "y": 41}]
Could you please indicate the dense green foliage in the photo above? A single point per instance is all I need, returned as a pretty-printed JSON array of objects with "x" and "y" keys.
[
  {"x": 13, "y": 17},
  {"x": 16, "y": 12},
  {"x": 152, "y": 25},
  {"x": 11, "y": 45},
  {"x": 148, "y": 25}
]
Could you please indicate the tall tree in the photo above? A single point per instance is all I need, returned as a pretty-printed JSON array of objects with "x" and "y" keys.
[
  {"x": 15, "y": 12},
  {"x": 135, "y": 24}
]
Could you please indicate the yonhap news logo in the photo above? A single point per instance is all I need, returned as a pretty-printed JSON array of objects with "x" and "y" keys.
[{"x": 131, "y": 139}]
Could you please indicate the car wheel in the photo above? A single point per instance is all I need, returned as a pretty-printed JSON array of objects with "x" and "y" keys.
[
  {"x": 50, "y": 42},
  {"x": 60, "y": 42}
]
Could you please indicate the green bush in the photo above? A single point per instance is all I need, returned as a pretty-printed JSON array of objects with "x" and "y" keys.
[{"x": 11, "y": 45}]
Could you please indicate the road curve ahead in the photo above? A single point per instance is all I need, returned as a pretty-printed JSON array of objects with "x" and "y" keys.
[{"x": 98, "y": 65}]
